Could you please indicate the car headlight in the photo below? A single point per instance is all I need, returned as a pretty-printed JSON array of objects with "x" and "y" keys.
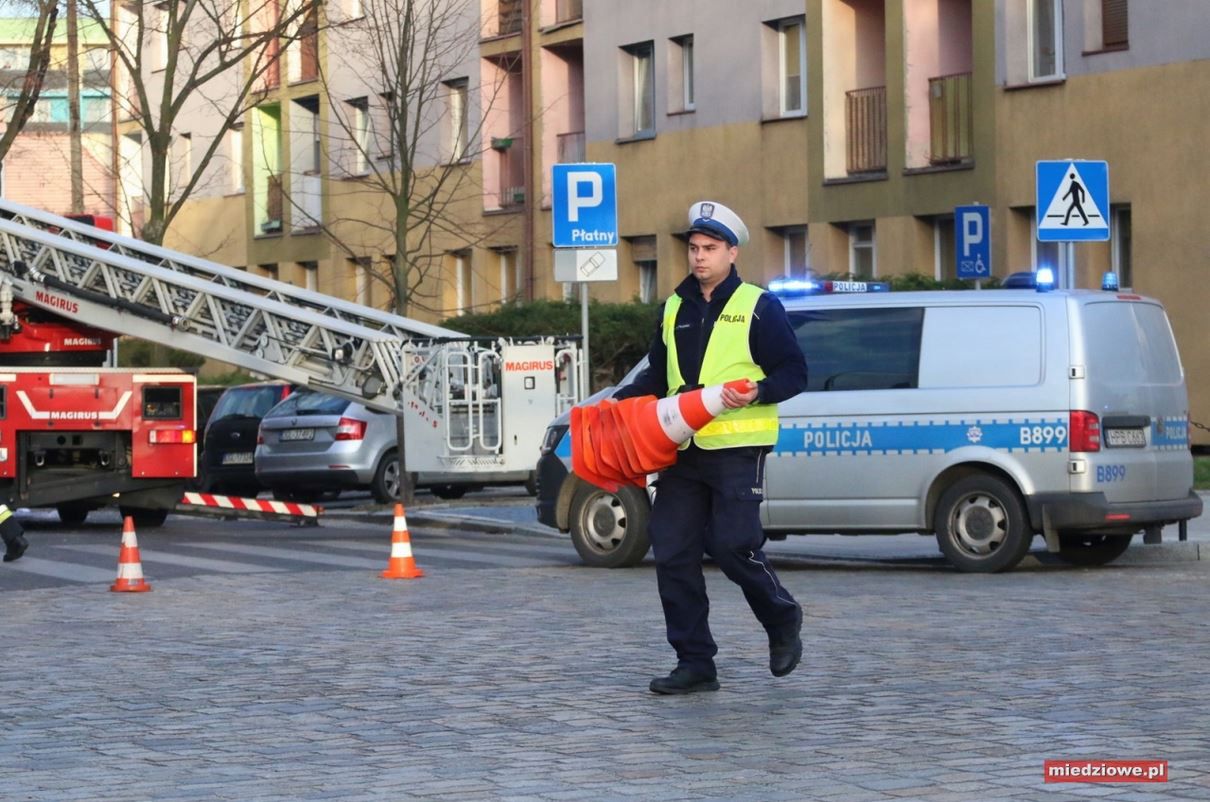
[{"x": 552, "y": 437}]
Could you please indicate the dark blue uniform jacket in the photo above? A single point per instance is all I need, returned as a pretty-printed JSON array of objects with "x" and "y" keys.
[{"x": 772, "y": 342}]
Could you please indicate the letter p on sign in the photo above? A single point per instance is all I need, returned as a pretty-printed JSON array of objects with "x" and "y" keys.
[
  {"x": 972, "y": 231},
  {"x": 576, "y": 201}
]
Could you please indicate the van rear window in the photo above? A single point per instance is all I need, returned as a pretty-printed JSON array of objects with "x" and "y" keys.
[
  {"x": 1130, "y": 343},
  {"x": 859, "y": 349}
]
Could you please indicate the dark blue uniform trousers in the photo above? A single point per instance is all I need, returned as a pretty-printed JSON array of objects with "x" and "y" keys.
[{"x": 709, "y": 503}]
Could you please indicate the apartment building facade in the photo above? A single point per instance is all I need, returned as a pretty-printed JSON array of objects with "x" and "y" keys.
[{"x": 843, "y": 131}]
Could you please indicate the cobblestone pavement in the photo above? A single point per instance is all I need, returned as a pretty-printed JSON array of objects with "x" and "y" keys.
[{"x": 531, "y": 684}]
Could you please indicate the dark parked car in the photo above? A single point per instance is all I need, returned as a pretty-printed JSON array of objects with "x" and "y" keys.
[{"x": 230, "y": 440}]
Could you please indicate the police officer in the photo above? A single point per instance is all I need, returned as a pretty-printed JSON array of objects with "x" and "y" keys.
[
  {"x": 714, "y": 329},
  {"x": 12, "y": 534}
]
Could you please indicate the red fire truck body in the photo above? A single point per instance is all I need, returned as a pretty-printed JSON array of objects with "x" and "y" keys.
[{"x": 75, "y": 437}]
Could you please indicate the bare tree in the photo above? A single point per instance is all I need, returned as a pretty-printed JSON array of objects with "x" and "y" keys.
[
  {"x": 411, "y": 141},
  {"x": 17, "y": 110},
  {"x": 186, "y": 64}
]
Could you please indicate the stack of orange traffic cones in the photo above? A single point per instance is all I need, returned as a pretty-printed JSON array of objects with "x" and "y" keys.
[
  {"x": 401, "y": 565},
  {"x": 130, "y": 567}
]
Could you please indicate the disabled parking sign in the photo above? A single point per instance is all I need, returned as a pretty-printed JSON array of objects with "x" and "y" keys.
[{"x": 1072, "y": 201}]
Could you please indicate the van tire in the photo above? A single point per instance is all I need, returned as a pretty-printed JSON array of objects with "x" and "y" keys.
[
  {"x": 981, "y": 525},
  {"x": 73, "y": 514},
  {"x": 385, "y": 485},
  {"x": 609, "y": 530},
  {"x": 1089, "y": 549}
]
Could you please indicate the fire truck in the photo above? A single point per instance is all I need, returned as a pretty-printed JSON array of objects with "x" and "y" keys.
[{"x": 473, "y": 409}]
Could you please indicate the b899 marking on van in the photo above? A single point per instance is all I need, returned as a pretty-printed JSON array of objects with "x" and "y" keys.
[
  {"x": 1111, "y": 473},
  {"x": 1043, "y": 435}
]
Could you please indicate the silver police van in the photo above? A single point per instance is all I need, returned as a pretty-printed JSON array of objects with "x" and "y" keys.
[{"x": 984, "y": 418}]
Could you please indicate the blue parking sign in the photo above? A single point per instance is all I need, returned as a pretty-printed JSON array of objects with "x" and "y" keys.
[
  {"x": 973, "y": 241},
  {"x": 584, "y": 208}
]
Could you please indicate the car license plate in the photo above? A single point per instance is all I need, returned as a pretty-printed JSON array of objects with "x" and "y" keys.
[
  {"x": 238, "y": 458},
  {"x": 1125, "y": 438},
  {"x": 297, "y": 434}
]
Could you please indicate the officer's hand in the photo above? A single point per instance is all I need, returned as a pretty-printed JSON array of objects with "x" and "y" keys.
[{"x": 734, "y": 399}]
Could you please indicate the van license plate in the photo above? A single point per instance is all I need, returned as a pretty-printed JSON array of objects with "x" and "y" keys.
[
  {"x": 238, "y": 458},
  {"x": 1125, "y": 438},
  {"x": 298, "y": 434}
]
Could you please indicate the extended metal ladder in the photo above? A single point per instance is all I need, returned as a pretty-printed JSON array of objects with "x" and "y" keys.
[{"x": 133, "y": 288}]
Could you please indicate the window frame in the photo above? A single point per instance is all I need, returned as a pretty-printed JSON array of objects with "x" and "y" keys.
[
  {"x": 877, "y": 321},
  {"x": 1031, "y": 19},
  {"x": 783, "y": 74},
  {"x": 856, "y": 244},
  {"x": 640, "y": 54}
]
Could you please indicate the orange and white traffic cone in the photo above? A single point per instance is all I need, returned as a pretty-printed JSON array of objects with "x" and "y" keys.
[
  {"x": 401, "y": 565},
  {"x": 130, "y": 567}
]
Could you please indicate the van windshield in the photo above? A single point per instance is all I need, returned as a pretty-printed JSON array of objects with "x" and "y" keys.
[{"x": 1131, "y": 343}]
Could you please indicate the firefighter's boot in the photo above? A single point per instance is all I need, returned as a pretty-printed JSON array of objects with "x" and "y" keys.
[{"x": 15, "y": 543}]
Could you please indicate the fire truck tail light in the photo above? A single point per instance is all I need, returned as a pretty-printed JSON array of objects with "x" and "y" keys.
[
  {"x": 350, "y": 429},
  {"x": 177, "y": 436}
]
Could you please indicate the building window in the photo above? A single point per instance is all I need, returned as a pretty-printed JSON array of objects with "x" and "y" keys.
[
  {"x": 359, "y": 130},
  {"x": 310, "y": 275},
  {"x": 642, "y": 89},
  {"x": 235, "y": 155},
  {"x": 863, "y": 259},
  {"x": 680, "y": 73},
  {"x": 360, "y": 268},
  {"x": 510, "y": 276},
  {"x": 795, "y": 251},
  {"x": 464, "y": 285},
  {"x": 458, "y": 119},
  {"x": 1045, "y": 39},
  {"x": 792, "y": 65},
  {"x": 945, "y": 257},
  {"x": 1120, "y": 245},
  {"x": 1115, "y": 34},
  {"x": 643, "y": 254}
]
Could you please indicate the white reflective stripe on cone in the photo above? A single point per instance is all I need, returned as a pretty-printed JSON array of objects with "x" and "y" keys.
[
  {"x": 668, "y": 411},
  {"x": 130, "y": 571},
  {"x": 401, "y": 523},
  {"x": 401, "y": 548}
]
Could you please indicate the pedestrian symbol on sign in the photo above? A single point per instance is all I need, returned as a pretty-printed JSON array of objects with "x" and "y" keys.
[{"x": 1073, "y": 199}]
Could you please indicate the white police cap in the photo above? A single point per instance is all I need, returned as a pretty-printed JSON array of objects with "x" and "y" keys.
[{"x": 716, "y": 220}]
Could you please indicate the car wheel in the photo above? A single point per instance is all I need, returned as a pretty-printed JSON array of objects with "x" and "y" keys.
[
  {"x": 609, "y": 530},
  {"x": 1092, "y": 549},
  {"x": 73, "y": 514},
  {"x": 385, "y": 485},
  {"x": 145, "y": 518},
  {"x": 981, "y": 526}
]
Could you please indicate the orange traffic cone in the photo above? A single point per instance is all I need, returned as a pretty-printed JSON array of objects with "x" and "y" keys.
[
  {"x": 401, "y": 565},
  {"x": 616, "y": 443},
  {"x": 130, "y": 567}
]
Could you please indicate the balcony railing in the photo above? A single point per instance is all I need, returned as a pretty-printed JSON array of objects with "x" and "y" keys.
[
  {"x": 568, "y": 10},
  {"x": 866, "y": 132},
  {"x": 509, "y": 15},
  {"x": 274, "y": 201},
  {"x": 950, "y": 118},
  {"x": 570, "y": 147},
  {"x": 511, "y": 159}
]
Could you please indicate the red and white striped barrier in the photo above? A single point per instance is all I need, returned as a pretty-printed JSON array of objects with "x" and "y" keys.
[{"x": 223, "y": 505}]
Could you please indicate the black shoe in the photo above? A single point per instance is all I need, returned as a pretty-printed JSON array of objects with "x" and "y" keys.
[
  {"x": 15, "y": 547},
  {"x": 684, "y": 680},
  {"x": 785, "y": 647}
]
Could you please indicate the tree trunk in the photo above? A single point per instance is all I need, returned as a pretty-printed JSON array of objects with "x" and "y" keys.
[{"x": 73, "y": 109}]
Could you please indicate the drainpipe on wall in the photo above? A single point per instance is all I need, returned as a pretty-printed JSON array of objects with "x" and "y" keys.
[{"x": 527, "y": 106}]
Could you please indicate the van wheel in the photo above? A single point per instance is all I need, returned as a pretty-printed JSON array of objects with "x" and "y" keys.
[
  {"x": 981, "y": 526},
  {"x": 385, "y": 485},
  {"x": 1092, "y": 549},
  {"x": 610, "y": 530}
]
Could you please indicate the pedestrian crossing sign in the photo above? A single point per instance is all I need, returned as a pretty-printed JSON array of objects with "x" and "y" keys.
[{"x": 1072, "y": 201}]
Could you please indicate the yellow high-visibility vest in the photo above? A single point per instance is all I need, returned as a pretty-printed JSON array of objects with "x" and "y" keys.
[{"x": 728, "y": 357}]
